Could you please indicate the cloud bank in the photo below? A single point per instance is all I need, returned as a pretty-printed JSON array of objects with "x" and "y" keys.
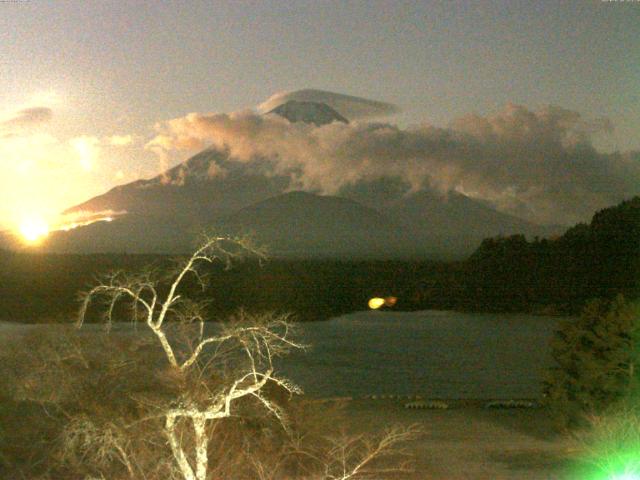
[
  {"x": 26, "y": 118},
  {"x": 537, "y": 164},
  {"x": 354, "y": 108}
]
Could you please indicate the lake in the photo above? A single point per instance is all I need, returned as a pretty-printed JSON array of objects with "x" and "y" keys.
[
  {"x": 437, "y": 354},
  {"x": 432, "y": 353}
]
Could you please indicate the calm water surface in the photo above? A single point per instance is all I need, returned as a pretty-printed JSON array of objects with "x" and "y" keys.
[{"x": 432, "y": 353}]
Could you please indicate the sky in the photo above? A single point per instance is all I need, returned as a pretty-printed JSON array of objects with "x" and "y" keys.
[{"x": 89, "y": 89}]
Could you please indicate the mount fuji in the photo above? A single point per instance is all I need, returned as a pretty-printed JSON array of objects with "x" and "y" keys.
[
  {"x": 316, "y": 113},
  {"x": 212, "y": 192}
]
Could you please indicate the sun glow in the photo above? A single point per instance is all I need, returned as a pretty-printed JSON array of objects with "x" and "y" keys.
[{"x": 33, "y": 229}]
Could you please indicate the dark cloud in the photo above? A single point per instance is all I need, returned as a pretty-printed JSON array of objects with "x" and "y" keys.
[
  {"x": 27, "y": 117},
  {"x": 540, "y": 164}
]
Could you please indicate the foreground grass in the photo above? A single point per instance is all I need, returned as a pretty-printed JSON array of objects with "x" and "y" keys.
[{"x": 470, "y": 442}]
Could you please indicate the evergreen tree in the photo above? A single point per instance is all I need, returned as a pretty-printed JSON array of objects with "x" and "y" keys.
[{"x": 596, "y": 361}]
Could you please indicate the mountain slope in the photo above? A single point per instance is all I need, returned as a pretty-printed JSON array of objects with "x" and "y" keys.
[
  {"x": 210, "y": 190},
  {"x": 449, "y": 222},
  {"x": 452, "y": 213},
  {"x": 206, "y": 186},
  {"x": 304, "y": 224}
]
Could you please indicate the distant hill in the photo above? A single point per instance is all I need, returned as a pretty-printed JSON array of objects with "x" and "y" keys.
[
  {"x": 302, "y": 224},
  {"x": 504, "y": 274},
  {"x": 448, "y": 221},
  {"x": 596, "y": 260}
]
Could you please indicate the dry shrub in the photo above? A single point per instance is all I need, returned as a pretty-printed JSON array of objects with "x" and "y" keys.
[
  {"x": 84, "y": 388},
  {"x": 91, "y": 405},
  {"x": 102, "y": 395}
]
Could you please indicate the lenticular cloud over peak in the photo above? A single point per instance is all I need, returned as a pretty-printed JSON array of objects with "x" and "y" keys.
[
  {"x": 351, "y": 107},
  {"x": 540, "y": 165}
]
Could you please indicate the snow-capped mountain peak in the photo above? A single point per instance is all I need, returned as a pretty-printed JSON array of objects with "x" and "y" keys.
[{"x": 308, "y": 112}]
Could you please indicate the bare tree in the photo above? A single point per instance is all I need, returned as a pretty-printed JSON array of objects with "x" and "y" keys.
[
  {"x": 252, "y": 344},
  {"x": 356, "y": 456},
  {"x": 217, "y": 374},
  {"x": 351, "y": 457}
]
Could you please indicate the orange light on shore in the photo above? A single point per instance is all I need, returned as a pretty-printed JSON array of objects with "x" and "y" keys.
[
  {"x": 378, "y": 302},
  {"x": 375, "y": 303},
  {"x": 390, "y": 301}
]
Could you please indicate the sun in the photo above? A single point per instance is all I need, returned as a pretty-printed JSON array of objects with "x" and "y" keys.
[{"x": 33, "y": 229}]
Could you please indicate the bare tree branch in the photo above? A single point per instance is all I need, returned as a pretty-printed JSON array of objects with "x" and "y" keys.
[{"x": 258, "y": 339}]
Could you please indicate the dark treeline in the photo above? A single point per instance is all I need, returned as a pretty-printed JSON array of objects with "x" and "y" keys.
[
  {"x": 598, "y": 260},
  {"x": 44, "y": 287},
  {"x": 505, "y": 274}
]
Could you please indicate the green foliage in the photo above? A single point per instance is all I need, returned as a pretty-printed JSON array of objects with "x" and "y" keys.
[{"x": 596, "y": 359}]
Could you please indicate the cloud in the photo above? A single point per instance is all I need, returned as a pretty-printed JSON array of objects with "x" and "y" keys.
[
  {"x": 353, "y": 108},
  {"x": 120, "y": 140},
  {"x": 540, "y": 164},
  {"x": 81, "y": 218},
  {"x": 43, "y": 172},
  {"x": 88, "y": 149},
  {"x": 26, "y": 118},
  {"x": 24, "y": 153}
]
